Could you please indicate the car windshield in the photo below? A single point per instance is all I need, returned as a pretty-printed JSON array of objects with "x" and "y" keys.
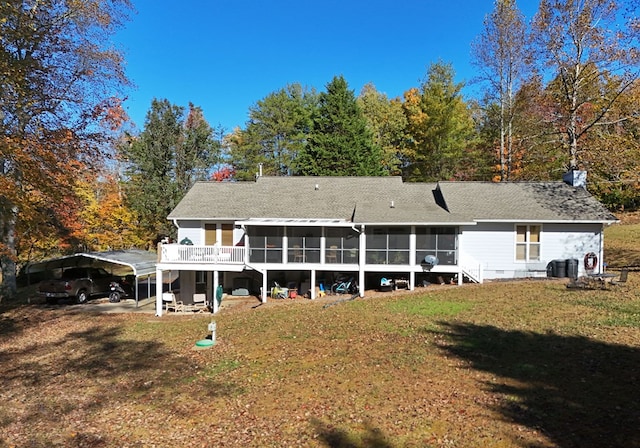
[{"x": 74, "y": 273}]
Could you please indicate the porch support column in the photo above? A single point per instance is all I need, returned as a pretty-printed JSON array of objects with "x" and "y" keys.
[
  {"x": 362, "y": 251},
  {"x": 412, "y": 257},
  {"x": 312, "y": 293},
  {"x": 159, "y": 282},
  {"x": 263, "y": 299}
]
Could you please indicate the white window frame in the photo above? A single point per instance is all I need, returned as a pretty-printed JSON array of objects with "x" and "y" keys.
[{"x": 527, "y": 243}]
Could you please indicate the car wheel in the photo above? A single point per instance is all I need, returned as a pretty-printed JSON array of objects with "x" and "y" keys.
[
  {"x": 114, "y": 297},
  {"x": 82, "y": 297}
]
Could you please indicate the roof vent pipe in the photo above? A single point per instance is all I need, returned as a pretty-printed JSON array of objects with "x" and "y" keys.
[
  {"x": 393, "y": 204},
  {"x": 317, "y": 187}
]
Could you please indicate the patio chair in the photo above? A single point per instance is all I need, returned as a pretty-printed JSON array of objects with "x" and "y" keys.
[
  {"x": 624, "y": 273},
  {"x": 332, "y": 255},
  {"x": 170, "y": 302},
  {"x": 298, "y": 256},
  {"x": 200, "y": 304}
]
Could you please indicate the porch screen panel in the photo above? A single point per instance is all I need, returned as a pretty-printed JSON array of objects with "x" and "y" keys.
[
  {"x": 341, "y": 245},
  {"x": 265, "y": 244},
  {"x": 440, "y": 242},
  {"x": 388, "y": 245},
  {"x": 304, "y": 244}
]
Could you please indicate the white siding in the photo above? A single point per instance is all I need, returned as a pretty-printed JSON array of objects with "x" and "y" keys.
[
  {"x": 193, "y": 230},
  {"x": 493, "y": 246},
  {"x": 572, "y": 241}
]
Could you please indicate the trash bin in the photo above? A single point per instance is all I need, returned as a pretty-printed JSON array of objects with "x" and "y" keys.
[
  {"x": 551, "y": 272},
  {"x": 560, "y": 268},
  {"x": 572, "y": 268}
]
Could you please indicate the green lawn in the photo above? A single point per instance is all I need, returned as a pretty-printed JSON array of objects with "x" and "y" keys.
[{"x": 622, "y": 245}]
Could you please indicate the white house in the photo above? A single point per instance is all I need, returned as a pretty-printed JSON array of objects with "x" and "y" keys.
[{"x": 304, "y": 232}]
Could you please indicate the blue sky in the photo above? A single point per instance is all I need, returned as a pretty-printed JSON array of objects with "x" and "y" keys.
[{"x": 225, "y": 55}]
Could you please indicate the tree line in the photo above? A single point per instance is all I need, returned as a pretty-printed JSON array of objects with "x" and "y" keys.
[{"x": 558, "y": 92}]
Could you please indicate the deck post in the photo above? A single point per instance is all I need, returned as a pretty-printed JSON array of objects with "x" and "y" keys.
[{"x": 159, "y": 282}]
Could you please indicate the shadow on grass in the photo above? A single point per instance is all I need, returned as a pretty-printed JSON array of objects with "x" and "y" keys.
[
  {"x": 338, "y": 438},
  {"x": 82, "y": 372},
  {"x": 577, "y": 391}
]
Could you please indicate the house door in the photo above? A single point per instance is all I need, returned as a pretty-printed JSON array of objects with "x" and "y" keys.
[
  {"x": 227, "y": 234},
  {"x": 209, "y": 234}
]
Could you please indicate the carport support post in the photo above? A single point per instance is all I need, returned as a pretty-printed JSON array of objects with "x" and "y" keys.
[{"x": 159, "y": 281}]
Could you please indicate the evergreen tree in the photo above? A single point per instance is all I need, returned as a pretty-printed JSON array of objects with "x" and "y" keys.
[
  {"x": 168, "y": 156},
  {"x": 276, "y": 132},
  {"x": 440, "y": 127},
  {"x": 197, "y": 151},
  {"x": 340, "y": 143}
]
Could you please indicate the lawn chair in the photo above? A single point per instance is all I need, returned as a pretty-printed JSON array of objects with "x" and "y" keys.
[
  {"x": 170, "y": 302},
  {"x": 298, "y": 255},
  {"x": 200, "y": 304},
  {"x": 624, "y": 273}
]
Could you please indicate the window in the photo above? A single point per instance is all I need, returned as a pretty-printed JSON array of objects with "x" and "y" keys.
[
  {"x": 528, "y": 242},
  {"x": 341, "y": 245},
  {"x": 265, "y": 244},
  {"x": 440, "y": 242},
  {"x": 388, "y": 245}
]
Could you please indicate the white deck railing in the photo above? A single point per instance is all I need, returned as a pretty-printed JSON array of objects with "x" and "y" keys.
[
  {"x": 180, "y": 253},
  {"x": 471, "y": 267}
]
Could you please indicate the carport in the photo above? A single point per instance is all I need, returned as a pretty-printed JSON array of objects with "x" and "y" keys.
[{"x": 141, "y": 263}]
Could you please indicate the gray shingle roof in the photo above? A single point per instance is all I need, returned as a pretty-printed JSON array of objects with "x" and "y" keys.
[
  {"x": 387, "y": 200},
  {"x": 534, "y": 201}
]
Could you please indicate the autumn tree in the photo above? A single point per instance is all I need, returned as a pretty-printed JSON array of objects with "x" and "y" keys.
[
  {"x": 275, "y": 133},
  {"x": 582, "y": 44},
  {"x": 613, "y": 159},
  {"x": 535, "y": 156},
  {"x": 59, "y": 73},
  {"x": 500, "y": 54},
  {"x": 387, "y": 122},
  {"x": 439, "y": 126},
  {"x": 104, "y": 222},
  {"x": 340, "y": 142}
]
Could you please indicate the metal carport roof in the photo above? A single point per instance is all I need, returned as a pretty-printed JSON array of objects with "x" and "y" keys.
[{"x": 141, "y": 262}]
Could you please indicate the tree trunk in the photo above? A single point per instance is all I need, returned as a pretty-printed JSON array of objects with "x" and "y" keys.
[{"x": 8, "y": 287}]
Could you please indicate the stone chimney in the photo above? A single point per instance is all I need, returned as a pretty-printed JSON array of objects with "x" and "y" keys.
[{"x": 575, "y": 178}]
